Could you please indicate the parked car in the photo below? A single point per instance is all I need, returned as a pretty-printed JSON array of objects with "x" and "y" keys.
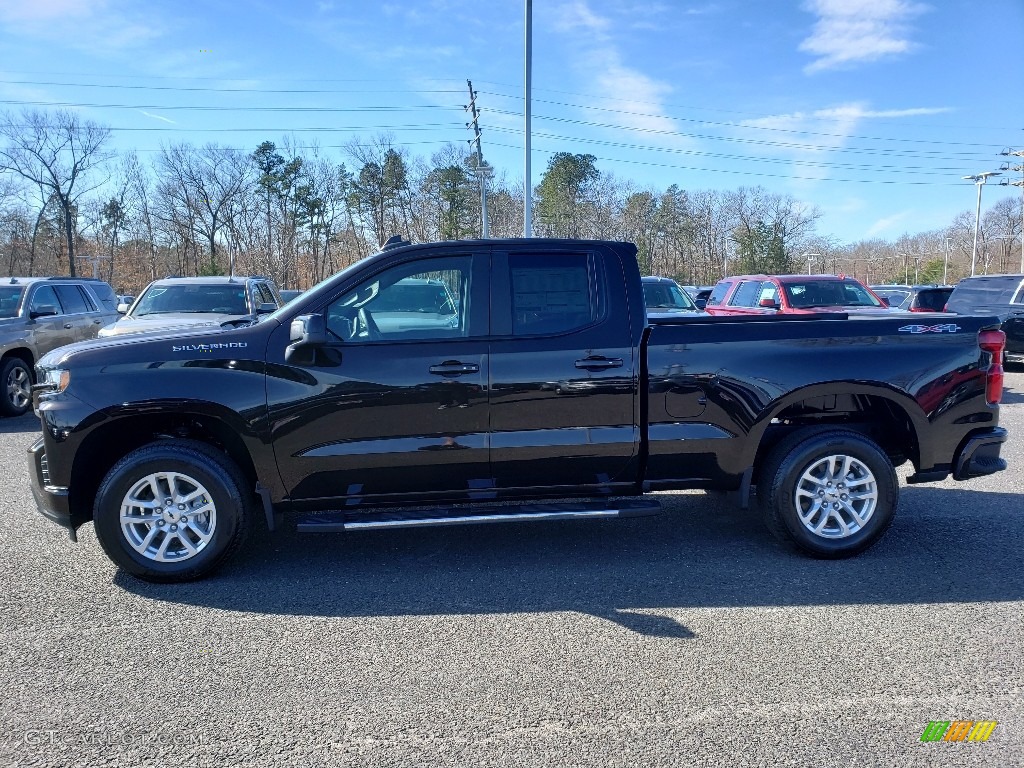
[
  {"x": 552, "y": 384},
  {"x": 700, "y": 294},
  {"x": 914, "y": 298},
  {"x": 999, "y": 295},
  {"x": 792, "y": 294},
  {"x": 38, "y": 314},
  {"x": 664, "y": 296},
  {"x": 176, "y": 302}
]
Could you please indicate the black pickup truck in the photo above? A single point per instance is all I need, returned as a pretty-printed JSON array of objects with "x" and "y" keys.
[{"x": 497, "y": 380}]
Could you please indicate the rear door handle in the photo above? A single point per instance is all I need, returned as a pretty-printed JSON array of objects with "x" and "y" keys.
[
  {"x": 68, "y": 325},
  {"x": 98, "y": 320},
  {"x": 454, "y": 368},
  {"x": 599, "y": 363}
]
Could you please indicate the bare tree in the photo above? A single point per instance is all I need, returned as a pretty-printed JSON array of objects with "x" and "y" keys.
[{"x": 56, "y": 152}]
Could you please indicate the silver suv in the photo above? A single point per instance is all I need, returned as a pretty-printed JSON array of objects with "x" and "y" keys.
[{"x": 38, "y": 314}]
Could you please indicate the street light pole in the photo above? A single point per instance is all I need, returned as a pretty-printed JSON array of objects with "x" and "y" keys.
[
  {"x": 945, "y": 263},
  {"x": 979, "y": 180},
  {"x": 809, "y": 255}
]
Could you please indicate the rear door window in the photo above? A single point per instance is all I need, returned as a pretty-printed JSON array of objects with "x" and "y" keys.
[
  {"x": 556, "y": 294},
  {"x": 74, "y": 301},
  {"x": 746, "y": 295}
]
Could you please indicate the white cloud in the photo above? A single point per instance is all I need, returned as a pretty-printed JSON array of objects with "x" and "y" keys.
[
  {"x": 888, "y": 224},
  {"x": 47, "y": 10},
  {"x": 810, "y": 139},
  {"x": 96, "y": 26},
  {"x": 157, "y": 117},
  {"x": 637, "y": 98},
  {"x": 849, "y": 32}
]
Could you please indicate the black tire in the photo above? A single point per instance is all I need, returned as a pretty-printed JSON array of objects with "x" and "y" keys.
[
  {"x": 842, "y": 533},
  {"x": 17, "y": 382},
  {"x": 191, "y": 464}
]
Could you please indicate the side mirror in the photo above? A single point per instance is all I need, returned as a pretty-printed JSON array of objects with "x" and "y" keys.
[
  {"x": 768, "y": 304},
  {"x": 884, "y": 300},
  {"x": 122, "y": 308},
  {"x": 44, "y": 310},
  {"x": 307, "y": 334},
  {"x": 266, "y": 308}
]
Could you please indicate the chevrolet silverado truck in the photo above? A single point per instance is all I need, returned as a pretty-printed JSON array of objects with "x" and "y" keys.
[{"x": 543, "y": 393}]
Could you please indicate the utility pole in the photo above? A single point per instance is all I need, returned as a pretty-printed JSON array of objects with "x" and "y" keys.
[
  {"x": 1005, "y": 182},
  {"x": 481, "y": 171}
]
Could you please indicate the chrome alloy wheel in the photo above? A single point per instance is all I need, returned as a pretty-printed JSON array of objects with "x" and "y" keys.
[
  {"x": 836, "y": 496},
  {"x": 168, "y": 517},
  {"x": 19, "y": 387}
]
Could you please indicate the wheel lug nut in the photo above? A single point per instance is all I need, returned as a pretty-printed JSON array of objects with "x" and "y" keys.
[
  {"x": 184, "y": 520},
  {"x": 167, "y": 502},
  {"x": 181, "y": 506},
  {"x": 834, "y": 506},
  {"x": 174, "y": 527},
  {"x": 821, "y": 493},
  {"x": 844, "y": 497}
]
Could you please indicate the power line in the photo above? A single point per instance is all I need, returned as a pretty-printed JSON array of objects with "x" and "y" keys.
[{"x": 254, "y": 91}]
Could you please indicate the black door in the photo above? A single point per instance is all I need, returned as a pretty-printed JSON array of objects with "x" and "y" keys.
[
  {"x": 563, "y": 374},
  {"x": 397, "y": 402}
]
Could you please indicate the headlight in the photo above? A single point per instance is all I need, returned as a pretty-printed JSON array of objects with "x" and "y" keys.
[{"x": 54, "y": 380}]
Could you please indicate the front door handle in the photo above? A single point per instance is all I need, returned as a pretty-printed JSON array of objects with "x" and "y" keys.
[
  {"x": 454, "y": 368},
  {"x": 599, "y": 363},
  {"x": 69, "y": 326},
  {"x": 98, "y": 320}
]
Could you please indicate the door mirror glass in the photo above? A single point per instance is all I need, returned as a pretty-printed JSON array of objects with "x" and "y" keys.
[
  {"x": 122, "y": 308},
  {"x": 768, "y": 304},
  {"x": 266, "y": 308}
]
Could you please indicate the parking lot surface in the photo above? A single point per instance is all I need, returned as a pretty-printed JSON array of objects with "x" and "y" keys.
[{"x": 689, "y": 638}]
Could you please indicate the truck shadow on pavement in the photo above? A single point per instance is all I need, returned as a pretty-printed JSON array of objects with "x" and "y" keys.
[
  {"x": 946, "y": 545},
  {"x": 13, "y": 425}
]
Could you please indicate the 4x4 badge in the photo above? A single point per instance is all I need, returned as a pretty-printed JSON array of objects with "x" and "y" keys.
[{"x": 943, "y": 328}]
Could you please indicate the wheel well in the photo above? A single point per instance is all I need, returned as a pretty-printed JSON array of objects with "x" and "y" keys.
[
  {"x": 25, "y": 355},
  {"x": 879, "y": 418},
  {"x": 108, "y": 443}
]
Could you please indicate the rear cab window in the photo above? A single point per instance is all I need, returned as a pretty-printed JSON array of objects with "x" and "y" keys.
[{"x": 552, "y": 293}]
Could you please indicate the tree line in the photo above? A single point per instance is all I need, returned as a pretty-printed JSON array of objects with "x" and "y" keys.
[{"x": 69, "y": 205}]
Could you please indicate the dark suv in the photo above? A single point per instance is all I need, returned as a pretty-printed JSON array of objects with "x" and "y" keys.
[
  {"x": 1000, "y": 295},
  {"x": 38, "y": 314}
]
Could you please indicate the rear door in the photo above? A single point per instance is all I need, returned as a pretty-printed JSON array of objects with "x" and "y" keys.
[
  {"x": 563, "y": 372},
  {"x": 81, "y": 310}
]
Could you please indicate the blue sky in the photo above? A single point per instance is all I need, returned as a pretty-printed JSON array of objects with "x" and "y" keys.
[{"x": 872, "y": 110}]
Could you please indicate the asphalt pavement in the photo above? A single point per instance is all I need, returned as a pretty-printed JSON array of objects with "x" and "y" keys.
[{"x": 689, "y": 638}]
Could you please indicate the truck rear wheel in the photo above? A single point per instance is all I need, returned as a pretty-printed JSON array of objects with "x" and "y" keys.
[
  {"x": 172, "y": 511},
  {"x": 831, "y": 493}
]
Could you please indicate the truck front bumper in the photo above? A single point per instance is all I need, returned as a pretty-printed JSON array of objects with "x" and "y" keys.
[
  {"x": 51, "y": 500},
  {"x": 979, "y": 455}
]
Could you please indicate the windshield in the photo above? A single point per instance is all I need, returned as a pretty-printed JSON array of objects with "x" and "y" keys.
[
  {"x": 666, "y": 296},
  {"x": 212, "y": 299},
  {"x": 10, "y": 300},
  {"x": 829, "y": 293}
]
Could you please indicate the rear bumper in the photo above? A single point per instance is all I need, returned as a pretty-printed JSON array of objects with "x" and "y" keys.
[
  {"x": 51, "y": 500},
  {"x": 979, "y": 455}
]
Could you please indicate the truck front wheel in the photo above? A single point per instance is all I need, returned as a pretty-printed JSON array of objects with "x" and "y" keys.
[
  {"x": 830, "y": 492},
  {"x": 172, "y": 511}
]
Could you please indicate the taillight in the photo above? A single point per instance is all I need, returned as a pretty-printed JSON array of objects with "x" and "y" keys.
[
  {"x": 920, "y": 309},
  {"x": 993, "y": 342}
]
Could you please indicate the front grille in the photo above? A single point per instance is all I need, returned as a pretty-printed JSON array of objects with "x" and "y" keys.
[{"x": 44, "y": 469}]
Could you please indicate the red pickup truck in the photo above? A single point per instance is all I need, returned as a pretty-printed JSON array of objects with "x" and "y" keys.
[{"x": 793, "y": 294}]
